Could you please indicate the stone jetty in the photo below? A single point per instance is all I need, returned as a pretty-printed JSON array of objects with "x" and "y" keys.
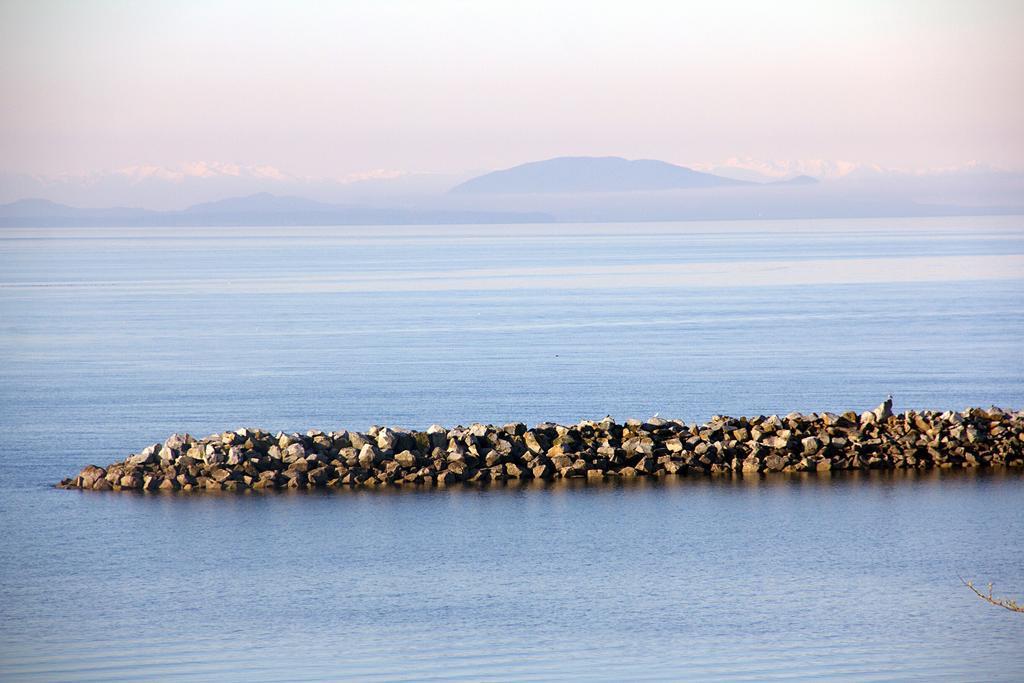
[{"x": 252, "y": 459}]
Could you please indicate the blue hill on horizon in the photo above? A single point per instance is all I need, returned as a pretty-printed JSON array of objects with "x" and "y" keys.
[
  {"x": 592, "y": 174},
  {"x": 258, "y": 209}
]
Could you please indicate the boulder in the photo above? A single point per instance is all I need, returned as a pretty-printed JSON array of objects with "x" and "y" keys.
[
  {"x": 447, "y": 478},
  {"x": 438, "y": 436},
  {"x": 534, "y": 442},
  {"x": 647, "y": 465},
  {"x": 221, "y": 474},
  {"x": 675, "y": 467},
  {"x": 544, "y": 471},
  {"x": 236, "y": 455},
  {"x": 406, "y": 459},
  {"x": 132, "y": 481},
  {"x": 369, "y": 456},
  {"x": 810, "y": 445},
  {"x": 88, "y": 477},
  {"x": 148, "y": 456},
  {"x": 214, "y": 456},
  {"x": 178, "y": 442},
  {"x": 386, "y": 439}
]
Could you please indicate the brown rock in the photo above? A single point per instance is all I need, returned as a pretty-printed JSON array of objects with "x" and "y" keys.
[
  {"x": 88, "y": 477},
  {"x": 131, "y": 481}
]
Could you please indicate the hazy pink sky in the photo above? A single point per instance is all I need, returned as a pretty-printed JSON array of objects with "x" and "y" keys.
[{"x": 330, "y": 89}]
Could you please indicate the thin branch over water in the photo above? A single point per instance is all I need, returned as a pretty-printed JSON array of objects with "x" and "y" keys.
[{"x": 1005, "y": 603}]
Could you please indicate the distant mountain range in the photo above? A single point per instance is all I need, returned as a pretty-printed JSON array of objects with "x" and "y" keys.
[
  {"x": 258, "y": 209},
  {"x": 568, "y": 189},
  {"x": 592, "y": 175}
]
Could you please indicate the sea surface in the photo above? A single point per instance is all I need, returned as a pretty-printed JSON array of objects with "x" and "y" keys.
[{"x": 111, "y": 339}]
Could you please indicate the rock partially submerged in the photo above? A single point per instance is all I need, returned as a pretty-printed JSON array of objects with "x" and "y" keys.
[{"x": 388, "y": 456}]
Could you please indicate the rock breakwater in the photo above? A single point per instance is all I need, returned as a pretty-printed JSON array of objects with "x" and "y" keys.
[{"x": 595, "y": 451}]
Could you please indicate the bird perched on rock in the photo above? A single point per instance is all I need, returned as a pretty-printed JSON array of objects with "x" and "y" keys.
[{"x": 884, "y": 410}]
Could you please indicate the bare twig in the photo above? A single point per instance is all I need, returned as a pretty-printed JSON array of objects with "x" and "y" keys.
[{"x": 998, "y": 602}]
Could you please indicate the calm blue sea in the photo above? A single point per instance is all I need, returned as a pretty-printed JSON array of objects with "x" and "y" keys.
[{"x": 111, "y": 339}]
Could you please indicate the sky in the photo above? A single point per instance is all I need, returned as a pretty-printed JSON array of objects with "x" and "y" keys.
[{"x": 335, "y": 89}]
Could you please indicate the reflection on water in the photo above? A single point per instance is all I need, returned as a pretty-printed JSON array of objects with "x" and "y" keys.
[
  {"x": 851, "y": 576},
  {"x": 774, "y": 481}
]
